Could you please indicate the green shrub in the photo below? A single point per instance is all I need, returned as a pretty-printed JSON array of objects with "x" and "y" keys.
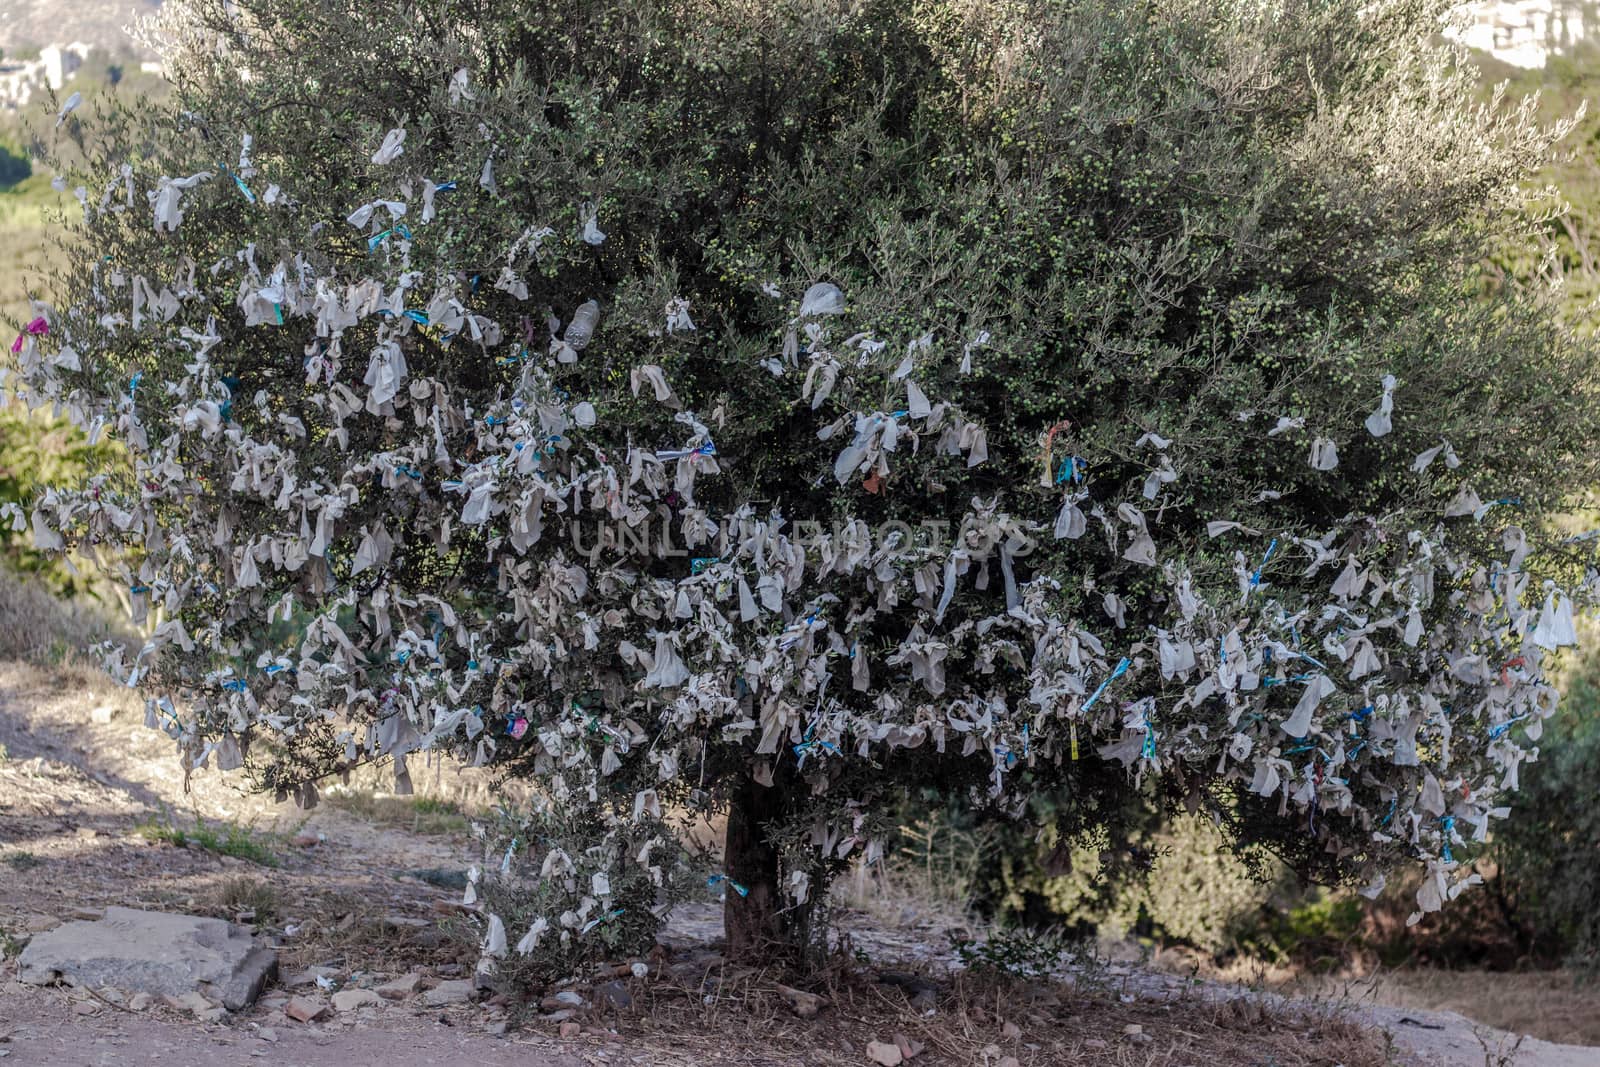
[
  {"x": 1548, "y": 852},
  {"x": 1177, "y": 880},
  {"x": 558, "y": 900},
  {"x": 14, "y": 166},
  {"x": 1020, "y": 953},
  {"x": 37, "y": 451},
  {"x": 225, "y": 839}
]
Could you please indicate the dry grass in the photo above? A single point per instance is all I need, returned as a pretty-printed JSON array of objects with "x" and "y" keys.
[
  {"x": 351, "y": 930},
  {"x": 932, "y": 874},
  {"x": 37, "y": 627},
  {"x": 243, "y": 898},
  {"x": 981, "y": 1021},
  {"x": 423, "y": 814},
  {"x": 1557, "y": 1006}
]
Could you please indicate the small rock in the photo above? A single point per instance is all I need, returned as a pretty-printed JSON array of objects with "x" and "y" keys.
[
  {"x": 613, "y": 994},
  {"x": 347, "y": 1000},
  {"x": 193, "y": 1003},
  {"x": 88, "y": 832},
  {"x": 103, "y": 714},
  {"x": 924, "y": 1000},
  {"x": 560, "y": 1016},
  {"x": 307, "y": 840},
  {"x": 305, "y": 1009},
  {"x": 570, "y": 1029},
  {"x": 911, "y": 983},
  {"x": 497, "y": 1028},
  {"x": 1043, "y": 996},
  {"x": 400, "y": 988},
  {"x": 443, "y": 877},
  {"x": 806, "y": 1005},
  {"x": 86, "y": 1007},
  {"x": 267, "y": 1033},
  {"x": 910, "y": 1047},
  {"x": 457, "y": 991},
  {"x": 889, "y": 1055},
  {"x": 1011, "y": 1031},
  {"x": 1008, "y": 1061},
  {"x": 1096, "y": 1044},
  {"x": 310, "y": 976},
  {"x": 140, "y": 1001},
  {"x": 1131, "y": 1029}
]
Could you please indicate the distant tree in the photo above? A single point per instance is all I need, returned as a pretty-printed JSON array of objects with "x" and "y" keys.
[
  {"x": 762, "y": 408},
  {"x": 14, "y": 166}
]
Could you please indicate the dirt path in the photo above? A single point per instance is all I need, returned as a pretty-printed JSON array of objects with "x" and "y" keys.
[
  {"x": 39, "y": 1028},
  {"x": 82, "y": 774}
]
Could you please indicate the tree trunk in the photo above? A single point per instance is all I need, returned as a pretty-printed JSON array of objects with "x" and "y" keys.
[{"x": 751, "y": 920}]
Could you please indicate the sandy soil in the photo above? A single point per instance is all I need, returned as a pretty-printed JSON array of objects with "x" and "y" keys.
[{"x": 82, "y": 773}]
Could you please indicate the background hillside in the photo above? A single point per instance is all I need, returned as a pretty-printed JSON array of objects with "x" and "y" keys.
[{"x": 26, "y": 25}]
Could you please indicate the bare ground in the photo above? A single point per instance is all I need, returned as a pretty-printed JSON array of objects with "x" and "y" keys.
[{"x": 77, "y": 784}]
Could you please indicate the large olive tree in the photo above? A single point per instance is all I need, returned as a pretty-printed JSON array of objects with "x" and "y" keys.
[{"x": 765, "y": 406}]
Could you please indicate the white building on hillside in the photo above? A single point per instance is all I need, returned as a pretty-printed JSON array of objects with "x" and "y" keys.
[
  {"x": 1526, "y": 33},
  {"x": 62, "y": 61},
  {"x": 56, "y": 65}
]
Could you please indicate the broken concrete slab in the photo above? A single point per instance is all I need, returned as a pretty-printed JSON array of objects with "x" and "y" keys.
[{"x": 154, "y": 952}]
